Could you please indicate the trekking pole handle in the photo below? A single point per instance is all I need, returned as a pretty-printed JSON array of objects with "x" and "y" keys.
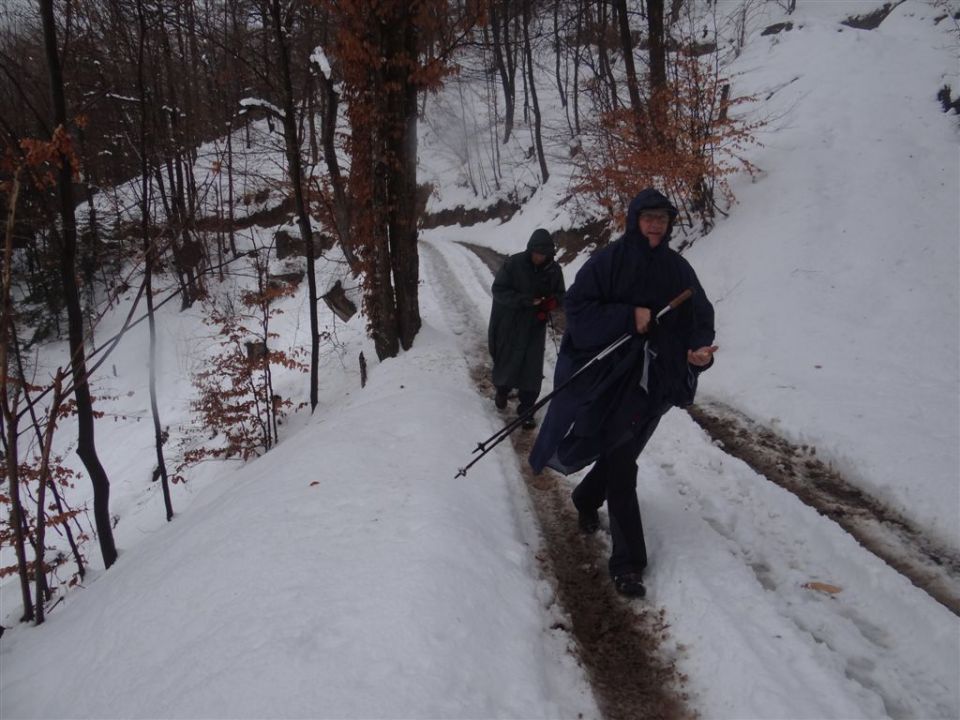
[{"x": 678, "y": 300}]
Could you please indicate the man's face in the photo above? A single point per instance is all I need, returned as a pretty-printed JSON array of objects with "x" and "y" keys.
[
  {"x": 537, "y": 258},
  {"x": 653, "y": 225}
]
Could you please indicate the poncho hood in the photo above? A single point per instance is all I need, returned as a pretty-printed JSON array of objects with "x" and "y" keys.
[{"x": 649, "y": 199}]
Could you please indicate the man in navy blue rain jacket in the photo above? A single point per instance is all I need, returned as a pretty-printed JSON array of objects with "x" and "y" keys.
[{"x": 608, "y": 413}]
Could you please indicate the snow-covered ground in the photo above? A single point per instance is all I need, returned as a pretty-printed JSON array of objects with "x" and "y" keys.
[{"x": 348, "y": 574}]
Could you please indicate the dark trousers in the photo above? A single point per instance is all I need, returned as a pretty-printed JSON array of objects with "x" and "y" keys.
[
  {"x": 527, "y": 398},
  {"x": 614, "y": 478}
]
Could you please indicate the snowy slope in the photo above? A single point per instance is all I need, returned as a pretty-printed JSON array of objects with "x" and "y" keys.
[
  {"x": 836, "y": 278},
  {"x": 346, "y": 574}
]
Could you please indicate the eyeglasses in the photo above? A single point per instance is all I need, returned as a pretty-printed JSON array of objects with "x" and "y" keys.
[{"x": 658, "y": 217}]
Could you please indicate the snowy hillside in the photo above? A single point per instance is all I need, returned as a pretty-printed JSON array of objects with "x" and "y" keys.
[
  {"x": 347, "y": 573},
  {"x": 836, "y": 278}
]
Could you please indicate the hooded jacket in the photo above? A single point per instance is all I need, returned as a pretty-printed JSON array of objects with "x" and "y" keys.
[
  {"x": 605, "y": 406},
  {"x": 516, "y": 335}
]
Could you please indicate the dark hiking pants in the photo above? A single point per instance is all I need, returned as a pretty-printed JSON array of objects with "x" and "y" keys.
[{"x": 614, "y": 478}]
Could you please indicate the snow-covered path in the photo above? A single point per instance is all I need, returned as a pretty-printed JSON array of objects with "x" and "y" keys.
[{"x": 731, "y": 557}]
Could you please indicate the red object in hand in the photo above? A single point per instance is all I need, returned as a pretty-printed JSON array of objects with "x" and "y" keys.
[
  {"x": 541, "y": 316},
  {"x": 550, "y": 303}
]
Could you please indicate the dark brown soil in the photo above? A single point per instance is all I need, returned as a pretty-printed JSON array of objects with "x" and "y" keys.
[
  {"x": 619, "y": 641},
  {"x": 502, "y": 210},
  {"x": 878, "y": 528}
]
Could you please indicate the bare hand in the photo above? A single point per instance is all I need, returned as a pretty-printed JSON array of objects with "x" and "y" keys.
[
  {"x": 642, "y": 317},
  {"x": 537, "y": 301},
  {"x": 701, "y": 356}
]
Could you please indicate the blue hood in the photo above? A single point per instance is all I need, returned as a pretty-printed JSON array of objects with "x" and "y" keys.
[{"x": 649, "y": 199}]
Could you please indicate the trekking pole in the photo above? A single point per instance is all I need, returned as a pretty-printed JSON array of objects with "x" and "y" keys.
[{"x": 491, "y": 442}]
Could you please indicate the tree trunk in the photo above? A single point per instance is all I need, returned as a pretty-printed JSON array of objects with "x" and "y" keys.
[
  {"x": 372, "y": 153},
  {"x": 528, "y": 52},
  {"x": 341, "y": 205},
  {"x": 503, "y": 56},
  {"x": 556, "y": 54},
  {"x": 86, "y": 443},
  {"x": 62, "y": 508},
  {"x": 149, "y": 253},
  {"x": 231, "y": 231},
  {"x": 381, "y": 300},
  {"x": 658, "y": 65},
  {"x": 626, "y": 46},
  {"x": 606, "y": 71},
  {"x": 295, "y": 168},
  {"x": 38, "y": 573},
  {"x": 577, "y": 56},
  {"x": 91, "y": 238},
  {"x": 402, "y": 182},
  {"x": 8, "y": 401},
  {"x": 16, "y": 506},
  {"x": 311, "y": 120}
]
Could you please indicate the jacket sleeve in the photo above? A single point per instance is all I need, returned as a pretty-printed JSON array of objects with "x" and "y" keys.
[
  {"x": 593, "y": 320},
  {"x": 702, "y": 332},
  {"x": 505, "y": 290}
]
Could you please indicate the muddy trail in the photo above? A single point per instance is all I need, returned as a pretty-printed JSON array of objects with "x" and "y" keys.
[{"x": 619, "y": 642}]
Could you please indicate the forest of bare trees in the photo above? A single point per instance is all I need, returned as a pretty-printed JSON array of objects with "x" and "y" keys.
[{"x": 99, "y": 93}]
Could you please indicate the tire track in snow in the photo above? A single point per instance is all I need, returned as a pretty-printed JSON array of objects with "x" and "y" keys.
[
  {"x": 880, "y": 633},
  {"x": 932, "y": 568},
  {"x": 619, "y": 643}
]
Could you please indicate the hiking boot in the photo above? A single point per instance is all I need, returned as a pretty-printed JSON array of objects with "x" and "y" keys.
[
  {"x": 588, "y": 521},
  {"x": 500, "y": 400},
  {"x": 630, "y": 585}
]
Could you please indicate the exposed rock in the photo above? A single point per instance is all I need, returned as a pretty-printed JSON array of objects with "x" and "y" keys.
[
  {"x": 501, "y": 210},
  {"x": 778, "y": 28},
  {"x": 338, "y": 302},
  {"x": 872, "y": 20},
  {"x": 289, "y": 245}
]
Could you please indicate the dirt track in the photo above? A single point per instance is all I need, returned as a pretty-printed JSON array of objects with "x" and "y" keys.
[{"x": 618, "y": 641}]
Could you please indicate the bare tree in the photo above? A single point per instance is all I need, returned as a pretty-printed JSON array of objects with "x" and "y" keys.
[
  {"x": 626, "y": 47},
  {"x": 658, "y": 46},
  {"x": 505, "y": 58},
  {"x": 86, "y": 442},
  {"x": 46, "y": 446},
  {"x": 291, "y": 138},
  {"x": 149, "y": 253},
  {"x": 9, "y": 399},
  {"x": 532, "y": 88}
]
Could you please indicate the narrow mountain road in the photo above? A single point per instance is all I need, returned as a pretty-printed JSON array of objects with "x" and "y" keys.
[
  {"x": 761, "y": 601},
  {"x": 618, "y": 645}
]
